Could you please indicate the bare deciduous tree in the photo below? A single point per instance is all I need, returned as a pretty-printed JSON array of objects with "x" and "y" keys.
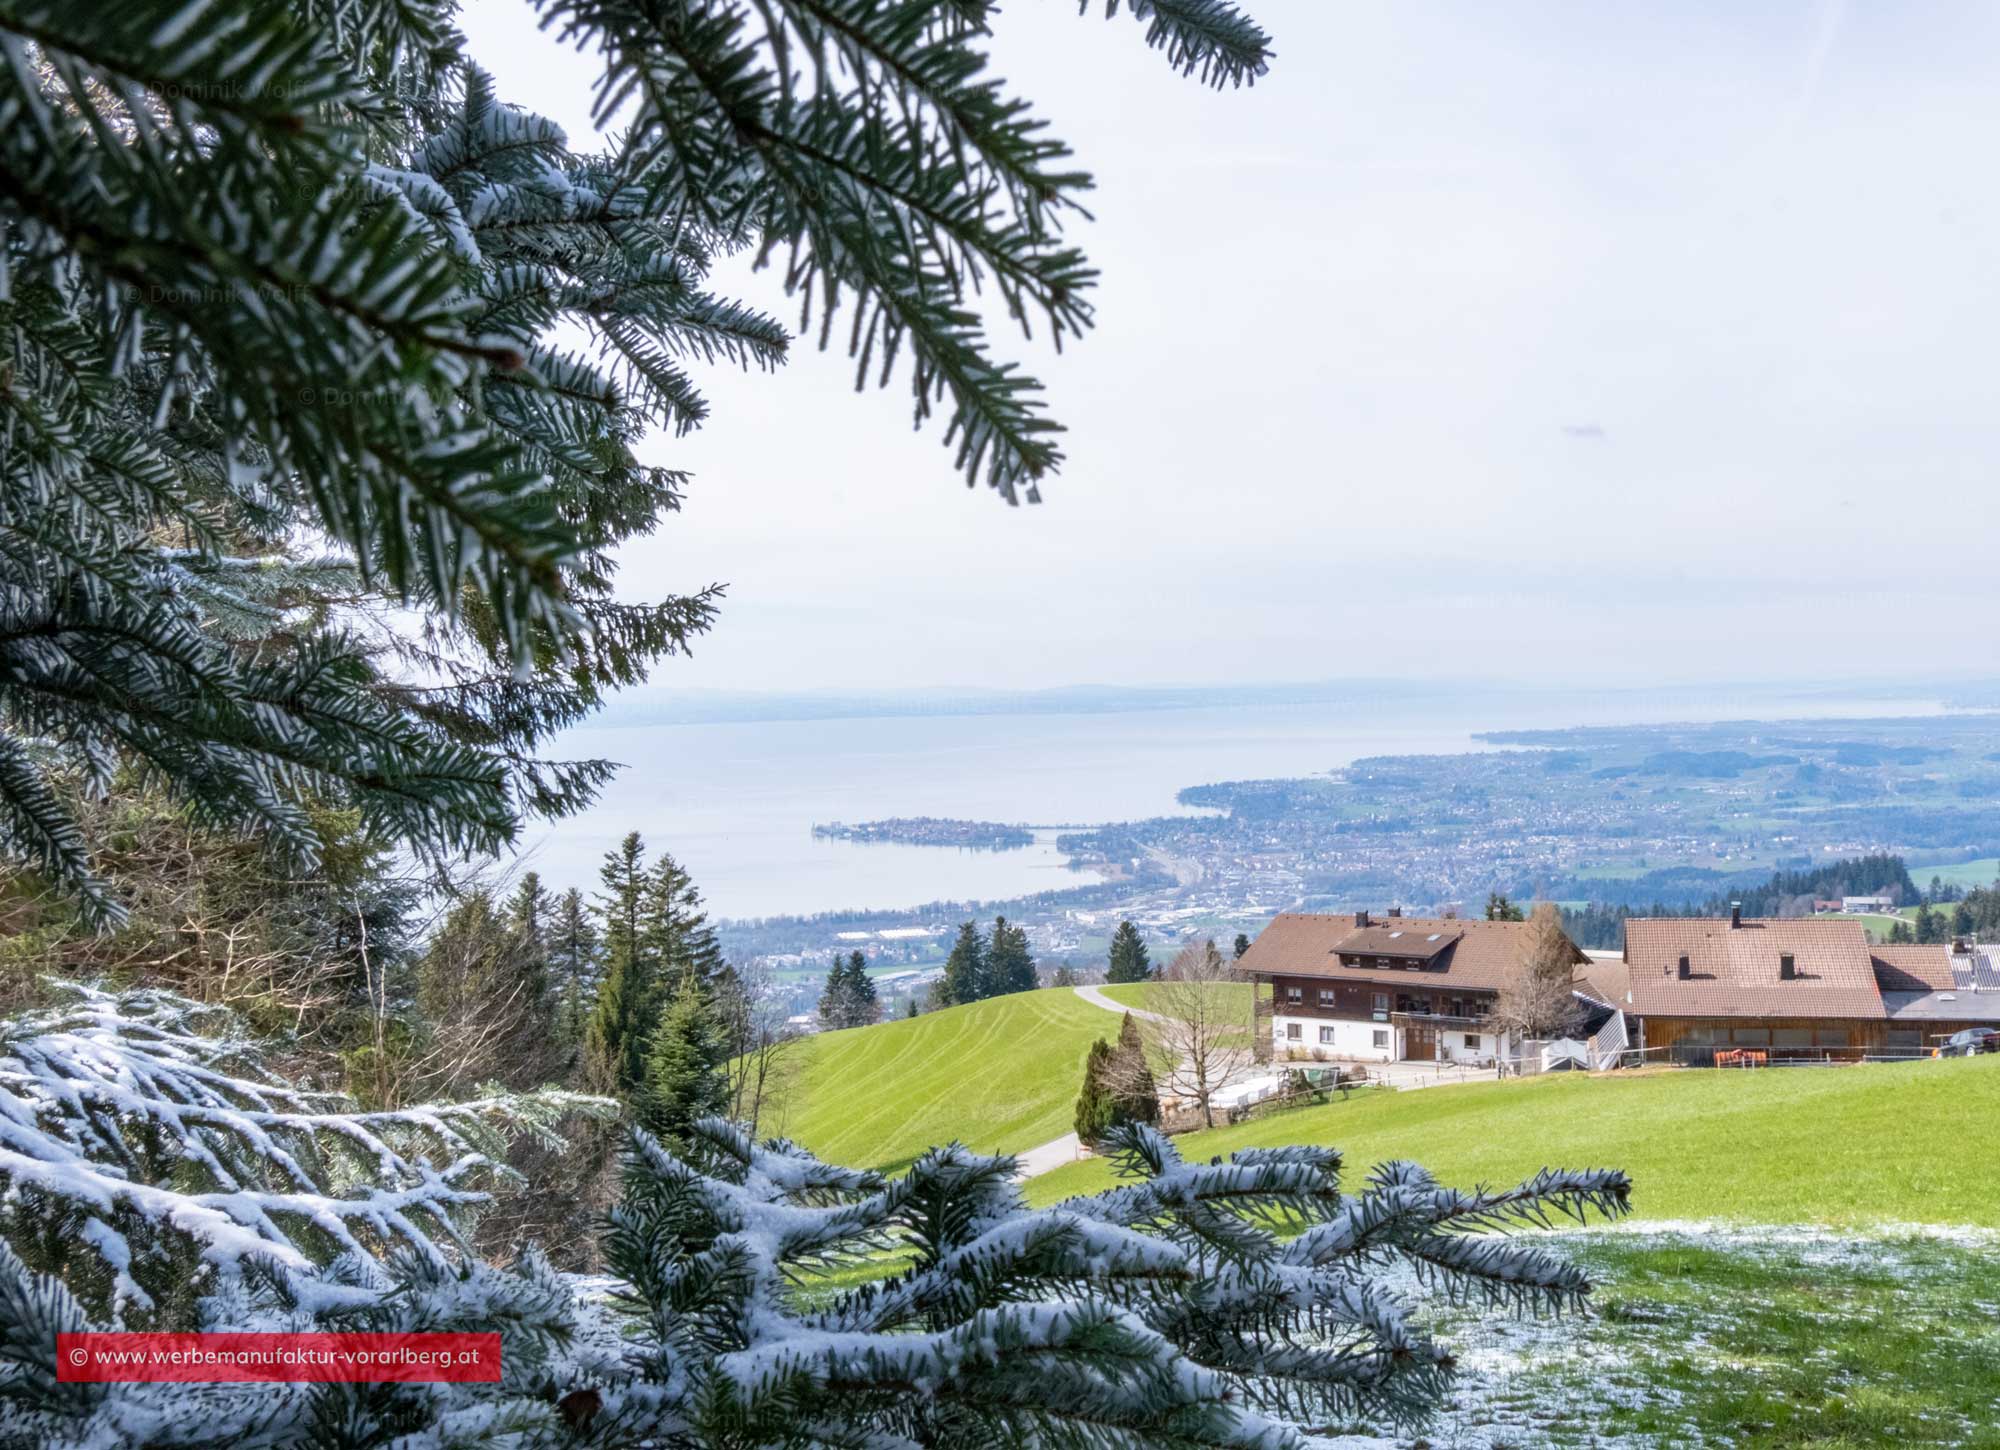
[
  {"x": 1540, "y": 1002},
  {"x": 1202, "y": 1043},
  {"x": 762, "y": 1069}
]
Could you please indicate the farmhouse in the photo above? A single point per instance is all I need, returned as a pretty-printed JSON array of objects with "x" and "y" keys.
[
  {"x": 1797, "y": 987},
  {"x": 1387, "y": 988}
]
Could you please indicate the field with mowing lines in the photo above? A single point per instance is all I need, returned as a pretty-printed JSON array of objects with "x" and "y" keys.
[
  {"x": 998, "y": 1076},
  {"x": 1904, "y": 1143}
]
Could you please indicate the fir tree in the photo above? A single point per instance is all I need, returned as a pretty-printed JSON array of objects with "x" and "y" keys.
[
  {"x": 965, "y": 969},
  {"x": 1136, "y": 1095},
  {"x": 867, "y": 1008},
  {"x": 280, "y": 273},
  {"x": 573, "y": 963},
  {"x": 529, "y": 909},
  {"x": 1096, "y": 1108},
  {"x": 836, "y": 1009},
  {"x": 684, "y": 1064},
  {"x": 1065, "y": 976},
  {"x": 1010, "y": 962},
  {"x": 629, "y": 996},
  {"x": 1499, "y": 908},
  {"x": 1242, "y": 945},
  {"x": 1129, "y": 962}
]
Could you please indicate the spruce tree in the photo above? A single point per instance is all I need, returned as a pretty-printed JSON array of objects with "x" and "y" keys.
[
  {"x": 1010, "y": 961},
  {"x": 1096, "y": 1107},
  {"x": 287, "y": 317},
  {"x": 684, "y": 1079},
  {"x": 1242, "y": 945},
  {"x": 836, "y": 1010},
  {"x": 965, "y": 969},
  {"x": 629, "y": 995},
  {"x": 866, "y": 1008},
  {"x": 1129, "y": 962},
  {"x": 1136, "y": 1095},
  {"x": 573, "y": 963},
  {"x": 1065, "y": 976}
]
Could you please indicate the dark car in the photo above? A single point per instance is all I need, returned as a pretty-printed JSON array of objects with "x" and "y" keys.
[{"x": 1970, "y": 1042}]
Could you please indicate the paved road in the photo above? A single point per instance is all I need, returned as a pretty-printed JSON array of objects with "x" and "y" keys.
[{"x": 1096, "y": 998}]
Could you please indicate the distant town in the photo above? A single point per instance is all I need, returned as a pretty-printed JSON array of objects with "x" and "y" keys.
[{"x": 1619, "y": 817}]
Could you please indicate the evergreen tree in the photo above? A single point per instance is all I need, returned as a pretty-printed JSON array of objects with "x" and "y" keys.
[
  {"x": 1129, "y": 962},
  {"x": 629, "y": 995},
  {"x": 674, "y": 927},
  {"x": 867, "y": 1007},
  {"x": 1065, "y": 976},
  {"x": 529, "y": 909},
  {"x": 573, "y": 963},
  {"x": 1499, "y": 908},
  {"x": 1010, "y": 961},
  {"x": 836, "y": 1006},
  {"x": 1096, "y": 1108},
  {"x": 910, "y": 1006},
  {"x": 1962, "y": 922},
  {"x": 1900, "y": 933},
  {"x": 1136, "y": 1095},
  {"x": 684, "y": 1079},
  {"x": 1242, "y": 945},
  {"x": 280, "y": 273},
  {"x": 1930, "y": 925},
  {"x": 965, "y": 969}
]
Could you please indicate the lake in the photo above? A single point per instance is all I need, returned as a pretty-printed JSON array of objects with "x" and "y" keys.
[{"x": 736, "y": 801}]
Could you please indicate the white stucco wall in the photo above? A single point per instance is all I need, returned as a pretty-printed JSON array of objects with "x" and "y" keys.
[{"x": 1354, "y": 1040}]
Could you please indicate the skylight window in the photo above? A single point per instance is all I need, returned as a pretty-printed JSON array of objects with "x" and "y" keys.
[
  {"x": 1394, "y": 934},
  {"x": 1434, "y": 936}
]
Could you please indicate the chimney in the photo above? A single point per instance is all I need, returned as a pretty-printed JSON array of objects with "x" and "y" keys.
[
  {"x": 1361, "y": 919},
  {"x": 1735, "y": 915},
  {"x": 1684, "y": 971},
  {"x": 1788, "y": 967}
]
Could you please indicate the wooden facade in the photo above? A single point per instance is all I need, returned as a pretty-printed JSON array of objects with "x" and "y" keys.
[
  {"x": 1373, "y": 1001},
  {"x": 1695, "y": 1040}
]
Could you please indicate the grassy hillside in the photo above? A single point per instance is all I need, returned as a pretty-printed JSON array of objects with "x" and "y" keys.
[
  {"x": 1907, "y": 1143},
  {"x": 998, "y": 1076},
  {"x": 1142, "y": 995}
]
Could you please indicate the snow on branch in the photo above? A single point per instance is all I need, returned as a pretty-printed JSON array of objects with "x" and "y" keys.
[{"x": 147, "y": 1120}]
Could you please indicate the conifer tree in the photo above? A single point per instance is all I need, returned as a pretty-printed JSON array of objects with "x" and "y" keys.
[
  {"x": 1065, "y": 976},
  {"x": 529, "y": 909},
  {"x": 684, "y": 1064},
  {"x": 1010, "y": 961},
  {"x": 836, "y": 1010},
  {"x": 1242, "y": 945},
  {"x": 1136, "y": 1095},
  {"x": 965, "y": 969},
  {"x": 1096, "y": 1107},
  {"x": 573, "y": 963},
  {"x": 867, "y": 1007},
  {"x": 1129, "y": 962},
  {"x": 284, "y": 285}
]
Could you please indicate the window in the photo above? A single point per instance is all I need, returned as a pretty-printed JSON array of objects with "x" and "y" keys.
[
  {"x": 1381, "y": 1001},
  {"x": 1381, "y": 1037},
  {"x": 1326, "y": 1037},
  {"x": 1791, "y": 1037},
  {"x": 1752, "y": 1036},
  {"x": 1472, "y": 1042},
  {"x": 1831, "y": 1037},
  {"x": 1903, "y": 1040},
  {"x": 1295, "y": 994},
  {"x": 1294, "y": 1031},
  {"x": 1326, "y": 996}
]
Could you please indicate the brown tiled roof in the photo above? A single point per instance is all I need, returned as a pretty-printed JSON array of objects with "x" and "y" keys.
[
  {"x": 1734, "y": 970},
  {"x": 1908, "y": 968},
  {"x": 1393, "y": 939},
  {"x": 1479, "y": 956}
]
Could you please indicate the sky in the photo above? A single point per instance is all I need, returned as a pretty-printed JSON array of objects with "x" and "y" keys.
[{"x": 1614, "y": 343}]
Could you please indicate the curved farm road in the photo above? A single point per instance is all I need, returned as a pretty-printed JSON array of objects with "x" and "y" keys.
[{"x": 1066, "y": 1149}]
